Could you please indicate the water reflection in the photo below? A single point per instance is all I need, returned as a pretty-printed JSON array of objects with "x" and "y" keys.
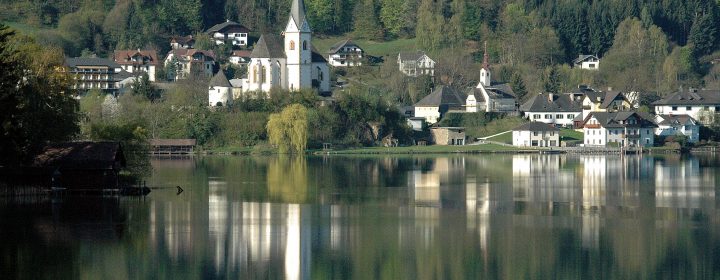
[{"x": 498, "y": 216}]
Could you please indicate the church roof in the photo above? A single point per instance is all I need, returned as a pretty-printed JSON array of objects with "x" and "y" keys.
[
  {"x": 316, "y": 56},
  {"x": 297, "y": 12},
  {"x": 269, "y": 46},
  {"x": 220, "y": 80}
]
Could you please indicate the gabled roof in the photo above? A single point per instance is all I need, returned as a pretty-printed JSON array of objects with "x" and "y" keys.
[
  {"x": 339, "y": 45},
  {"x": 584, "y": 57},
  {"x": 536, "y": 126},
  {"x": 182, "y": 39},
  {"x": 443, "y": 95},
  {"x": 618, "y": 119},
  {"x": 673, "y": 120},
  {"x": 124, "y": 57},
  {"x": 269, "y": 46},
  {"x": 90, "y": 61},
  {"x": 558, "y": 103},
  {"x": 605, "y": 97},
  {"x": 405, "y": 56},
  {"x": 316, "y": 56},
  {"x": 297, "y": 12},
  {"x": 228, "y": 27},
  {"x": 500, "y": 91},
  {"x": 691, "y": 97},
  {"x": 220, "y": 80},
  {"x": 242, "y": 53},
  {"x": 80, "y": 155},
  {"x": 181, "y": 53}
]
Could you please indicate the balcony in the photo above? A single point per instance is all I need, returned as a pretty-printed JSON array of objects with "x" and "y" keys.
[{"x": 592, "y": 126}]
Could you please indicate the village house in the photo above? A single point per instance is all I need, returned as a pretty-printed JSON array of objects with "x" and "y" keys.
[
  {"x": 137, "y": 61},
  {"x": 598, "y": 101},
  {"x": 536, "y": 134},
  {"x": 555, "y": 109},
  {"x": 98, "y": 73},
  {"x": 488, "y": 96},
  {"x": 414, "y": 64},
  {"x": 189, "y": 61},
  {"x": 241, "y": 57},
  {"x": 345, "y": 53},
  {"x": 433, "y": 106},
  {"x": 584, "y": 61},
  {"x": 82, "y": 165},
  {"x": 444, "y": 136},
  {"x": 229, "y": 32},
  {"x": 701, "y": 104},
  {"x": 182, "y": 42},
  {"x": 673, "y": 125},
  {"x": 220, "y": 90},
  {"x": 619, "y": 129},
  {"x": 288, "y": 61}
]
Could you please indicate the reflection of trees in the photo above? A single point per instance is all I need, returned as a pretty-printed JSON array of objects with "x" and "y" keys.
[{"x": 287, "y": 179}]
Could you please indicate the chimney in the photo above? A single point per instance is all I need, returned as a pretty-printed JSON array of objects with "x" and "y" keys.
[
  {"x": 609, "y": 88},
  {"x": 550, "y": 97}
]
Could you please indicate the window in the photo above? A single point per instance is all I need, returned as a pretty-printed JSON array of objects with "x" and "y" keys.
[
  {"x": 559, "y": 116},
  {"x": 292, "y": 45},
  {"x": 570, "y": 116},
  {"x": 304, "y": 45},
  {"x": 552, "y": 133},
  {"x": 548, "y": 116},
  {"x": 535, "y": 133},
  {"x": 536, "y": 116},
  {"x": 255, "y": 72},
  {"x": 262, "y": 74},
  {"x": 674, "y": 108},
  {"x": 717, "y": 108},
  {"x": 591, "y": 65},
  {"x": 688, "y": 108}
]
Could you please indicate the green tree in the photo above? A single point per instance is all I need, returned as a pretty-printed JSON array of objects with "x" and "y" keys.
[
  {"x": 551, "y": 80},
  {"x": 518, "y": 86},
  {"x": 288, "y": 130},
  {"x": 142, "y": 87},
  {"x": 704, "y": 34},
  {"x": 366, "y": 23}
]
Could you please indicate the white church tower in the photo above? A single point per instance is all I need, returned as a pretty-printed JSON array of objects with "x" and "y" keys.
[
  {"x": 485, "y": 78},
  {"x": 298, "y": 48}
]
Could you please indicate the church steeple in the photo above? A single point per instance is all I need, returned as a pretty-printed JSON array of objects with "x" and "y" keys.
[
  {"x": 297, "y": 14},
  {"x": 485, "y": 78}
]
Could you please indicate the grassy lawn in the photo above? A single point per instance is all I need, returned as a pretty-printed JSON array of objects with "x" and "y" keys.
[
  {"x": 503, "y": 138},
  {"x": 386, "y": 48},
  {"x": 23, "y": 28},
  {"x": 430, "y": 149},
  {"x": 571, "y": 135}
]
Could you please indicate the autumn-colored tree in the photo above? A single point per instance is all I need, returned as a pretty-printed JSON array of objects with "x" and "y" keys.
[{"x": 288, "y": 130}]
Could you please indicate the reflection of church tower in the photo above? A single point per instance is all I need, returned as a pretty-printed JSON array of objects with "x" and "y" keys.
[
  {"x": 485, "y": 78},
  {"x": 298, "y": 48}
]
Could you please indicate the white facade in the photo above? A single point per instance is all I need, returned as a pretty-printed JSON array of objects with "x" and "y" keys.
[
  {"x": 187, "y": 60},
  {"x": 345, "y": 54},
  {"x": 526, "y": 138},
  {"x": 219, "y": 96},
  {"x": 595, "y": 134},
  {"x": 690, "y": 128},
  {"x": 695, "y": 111},
  {"x": 557, "y": 118},
  {"x": 471, "y": 104},
  {"x": 589, "y": 62},
  {"x": 430, "y": 113},
  {"x": 414, "y": 65}
]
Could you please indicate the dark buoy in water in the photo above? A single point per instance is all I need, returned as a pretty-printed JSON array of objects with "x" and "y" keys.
[{"x": 179, "y": 189}]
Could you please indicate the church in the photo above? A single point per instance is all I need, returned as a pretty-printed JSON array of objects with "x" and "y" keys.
[{"x": 288, "y": 61}]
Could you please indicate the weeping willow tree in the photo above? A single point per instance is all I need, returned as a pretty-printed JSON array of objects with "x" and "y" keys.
[{"x": 287, "y": 130}]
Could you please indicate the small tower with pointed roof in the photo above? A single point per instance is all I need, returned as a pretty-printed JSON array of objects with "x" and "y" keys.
[
  {"x": 298, "y": 48},
  {"x": 219, "y": 90},
  {"x": 485, "y": 78}
]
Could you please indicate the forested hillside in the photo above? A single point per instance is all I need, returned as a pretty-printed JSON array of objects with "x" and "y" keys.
[{"x": 650, "y": 45}]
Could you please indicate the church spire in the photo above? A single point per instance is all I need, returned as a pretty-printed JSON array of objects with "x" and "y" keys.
[
  {"x": 297, "y": 12},
  {"x": 486, "y": 64}
]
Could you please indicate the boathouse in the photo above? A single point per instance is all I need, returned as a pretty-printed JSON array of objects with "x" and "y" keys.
[
  {"x": 172, "y": 146},
  {"x": 81, "y": 165}
]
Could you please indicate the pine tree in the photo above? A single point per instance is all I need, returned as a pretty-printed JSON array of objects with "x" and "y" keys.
[
  {"x": 366, "y": 23},
  {"x": 518, "y": 86},
  {"x": 552, "y": 80}
]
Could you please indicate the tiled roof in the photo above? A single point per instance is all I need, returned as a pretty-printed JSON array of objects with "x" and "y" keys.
[
  {"x": 228, "y": 27},
  {"x": 124, "y": 57},
  {"x": 339, "y": 45},
  {"x": 616, "y": 119},
  {"x": 182, "y": 39},
  {"x": 242, "y": 53},
  {"x": 443, "y": 95},
  {"x": 80, "y": 155},
  {"x": 558, "y": 103},
  {"x": 583, "y": 57},
  {"x": 676, "y": 120},
  {"x": 181, "y": 53},
  {"x": 536, "y": 126},
  {"x": 691, "y": 97},
  {"x": 90, "y": 61},
  {"x": 220, "y": 80},
  {"x": 269, "y": 46},
  {"x": 405, "y": 56}
]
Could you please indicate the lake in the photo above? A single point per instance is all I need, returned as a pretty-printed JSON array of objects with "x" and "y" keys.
[{"x": 382, "y": 217}]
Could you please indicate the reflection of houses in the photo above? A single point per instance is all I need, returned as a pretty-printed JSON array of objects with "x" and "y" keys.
[
  {"x": 414, "y": 64},
  {"x": 619, "y": 129},
  {"x": 82, "y": 165},
  {"x": 538, "y": 179},
  {"x": 699, "y": 104},
  {"x": 433, "y": 106},
  {"x": 670, "y": 125},
  {"x": 488, "y": 96},
  {"x": 585, "y": 61},
  {"x": 536, "y": 134},
  {"x": 345, "y": 53},
  {"x": 683, "y": 183},
  {"x": 558, "y": 109}
]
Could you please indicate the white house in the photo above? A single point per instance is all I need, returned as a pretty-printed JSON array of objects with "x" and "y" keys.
[
  {"x": 585, "y": 61},
  {"x": 415, "y": 64},
  {"x": 555, "y": 109},
  {"x": 241, "y": 57},
  {"x": 433, "y": 106},
  {"x": 345, "y": 53},
  {"x": 608, "y": 101},
  {"x": 669, "y": 125},
  {"x": 488, "y": 96},
  {"x": 219, "y": 90},
  {"x": 182, "y": 42},
  {"x": 288, "y": 61},
  {"x": 136, "y": 61},
  {"x": 189, "y": 61},
  {"x": 701, "y": 105},
  {"x": 229, "y": 31},
  {"x": 619, "y": 128},
  {"x": 536, "y": 134}
]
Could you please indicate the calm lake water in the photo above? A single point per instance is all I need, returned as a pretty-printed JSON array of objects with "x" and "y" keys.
[{"x": 404, "y": 217}]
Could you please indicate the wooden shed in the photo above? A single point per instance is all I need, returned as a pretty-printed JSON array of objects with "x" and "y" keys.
[
  {"x": 81, "y": 165},
  {"x": 172, "y": 146}
]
